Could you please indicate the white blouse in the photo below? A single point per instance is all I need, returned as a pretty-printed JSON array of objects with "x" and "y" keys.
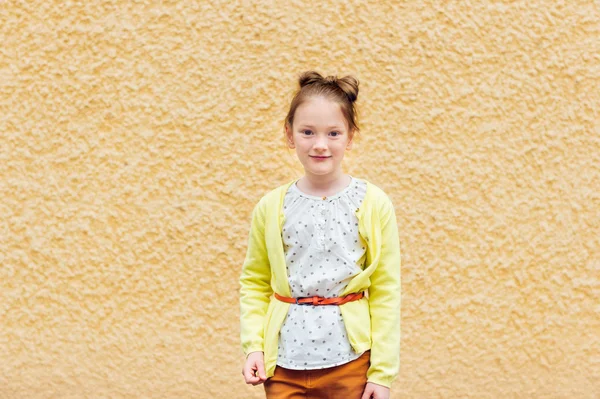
[{"x": 323, "y": 252}]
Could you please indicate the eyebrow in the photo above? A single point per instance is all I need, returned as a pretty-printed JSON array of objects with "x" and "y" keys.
[{"x": 328, "y": 127}]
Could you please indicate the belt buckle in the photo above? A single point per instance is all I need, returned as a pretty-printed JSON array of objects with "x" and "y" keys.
[
  {"x": 312, "y": 303},
  {"x": 303, "y": 304}
]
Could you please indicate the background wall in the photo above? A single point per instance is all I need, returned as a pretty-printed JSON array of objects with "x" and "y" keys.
[{"x": 135, "y": 138}]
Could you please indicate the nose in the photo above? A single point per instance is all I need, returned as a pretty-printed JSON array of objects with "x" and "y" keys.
[{"x": 320, "y": 143}]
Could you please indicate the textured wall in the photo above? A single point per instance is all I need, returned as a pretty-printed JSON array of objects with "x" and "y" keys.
[{"x": 135, "y": 138}]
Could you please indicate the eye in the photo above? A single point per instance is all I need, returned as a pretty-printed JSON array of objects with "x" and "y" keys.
[
  {"x": 335, "y": 134},
  {"x": 306, "y": 132}
]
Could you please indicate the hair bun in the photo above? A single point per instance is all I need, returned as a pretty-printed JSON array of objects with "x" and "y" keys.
[
  {"x": 349, "y": 86},
  {"x": 310, "y": 77}
]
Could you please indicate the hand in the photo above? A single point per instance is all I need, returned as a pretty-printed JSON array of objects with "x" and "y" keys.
[
  {"x": 254, "y": 369},
  {"x": 375, "y": 391}
]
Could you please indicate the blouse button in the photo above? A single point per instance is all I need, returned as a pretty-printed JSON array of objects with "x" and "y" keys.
[{"x": 324, "y": 198}]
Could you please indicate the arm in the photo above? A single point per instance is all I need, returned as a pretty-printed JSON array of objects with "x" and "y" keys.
[
  {"x": 255, "y": 285},
  {"x": 384, "y": 303}
]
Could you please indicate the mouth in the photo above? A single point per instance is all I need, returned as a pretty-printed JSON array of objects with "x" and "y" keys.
[{"x": 319, "y": 157}]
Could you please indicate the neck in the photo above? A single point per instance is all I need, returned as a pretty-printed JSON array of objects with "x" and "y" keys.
[{"x": 324, "y": 184}]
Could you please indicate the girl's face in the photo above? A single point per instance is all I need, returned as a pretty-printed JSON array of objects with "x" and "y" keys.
[{"x": 320, "y": 136}]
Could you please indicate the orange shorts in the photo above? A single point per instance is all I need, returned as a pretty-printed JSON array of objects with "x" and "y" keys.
[{"x": 344, "y": 381}]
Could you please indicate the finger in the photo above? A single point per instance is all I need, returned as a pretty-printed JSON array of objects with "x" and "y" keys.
[
  {"x": 367, "y": 393},
  {"x": 249, "y": 376},
  {"x": 252, "y": 380},
  {"x": 261, "y": 371},
  {"x": 257, "y": 379}
]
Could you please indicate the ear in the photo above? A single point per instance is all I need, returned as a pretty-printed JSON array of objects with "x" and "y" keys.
[
  {"x": 289, "y": 137},
  {"x": 349, "y": 145}
]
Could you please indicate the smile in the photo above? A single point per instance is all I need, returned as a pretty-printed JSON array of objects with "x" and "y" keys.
[{"x": 318, "y": 157}]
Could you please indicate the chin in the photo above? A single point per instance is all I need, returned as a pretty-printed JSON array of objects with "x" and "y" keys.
[{"x": 321, "y": 172}]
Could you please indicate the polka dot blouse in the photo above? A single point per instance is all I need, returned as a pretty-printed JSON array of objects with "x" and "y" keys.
[{"x": 323, "y": 252}]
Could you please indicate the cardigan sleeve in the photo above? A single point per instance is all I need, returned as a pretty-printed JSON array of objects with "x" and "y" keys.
[
  {"x": 255, "y": 285},
  {"x": 384, "y": 303}
]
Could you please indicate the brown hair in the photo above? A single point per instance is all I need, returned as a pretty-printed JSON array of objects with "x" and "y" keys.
[{"x": 343, "y": 91}]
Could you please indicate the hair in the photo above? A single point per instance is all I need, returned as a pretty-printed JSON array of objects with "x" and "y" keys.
[{"x": 343, "y": 91}]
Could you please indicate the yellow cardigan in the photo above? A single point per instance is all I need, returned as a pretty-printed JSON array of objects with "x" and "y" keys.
[{"x": 372, "y": 322}]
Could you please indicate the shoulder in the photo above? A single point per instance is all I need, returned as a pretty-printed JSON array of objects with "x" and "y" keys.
[
  {"x": 376, "y": 194},
  {"x": 272, "y": 198},
  {"x": 378, "y": 201}
]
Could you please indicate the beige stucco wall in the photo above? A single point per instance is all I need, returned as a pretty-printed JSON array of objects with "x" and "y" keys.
[{"x": 135, "y": 138}]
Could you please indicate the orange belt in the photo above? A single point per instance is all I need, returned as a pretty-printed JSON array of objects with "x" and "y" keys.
[{"x": 319, "y": 300}]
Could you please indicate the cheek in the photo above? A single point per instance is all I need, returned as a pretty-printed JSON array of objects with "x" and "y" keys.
[{"x": 340, "y": 148}]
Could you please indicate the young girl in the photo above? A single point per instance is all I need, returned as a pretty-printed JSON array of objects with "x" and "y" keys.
[{"x": 320, "y": 285}]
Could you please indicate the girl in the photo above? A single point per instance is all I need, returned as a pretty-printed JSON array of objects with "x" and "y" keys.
[{"x": 320, "y": 284}]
